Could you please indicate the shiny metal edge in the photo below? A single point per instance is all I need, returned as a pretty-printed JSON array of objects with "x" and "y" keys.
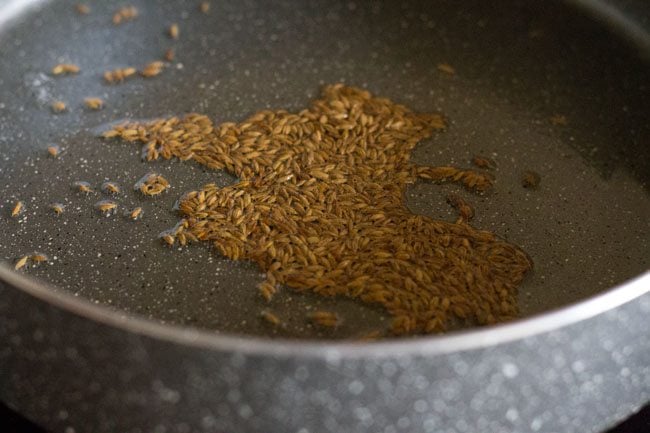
[
  {"x": 11, "y": 9},
  {"x": 423, "y": 346},
  {"x": 621, "y": 23}
]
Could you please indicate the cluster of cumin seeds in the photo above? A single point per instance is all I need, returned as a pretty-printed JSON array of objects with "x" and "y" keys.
[{"x": 319, "y": 206}]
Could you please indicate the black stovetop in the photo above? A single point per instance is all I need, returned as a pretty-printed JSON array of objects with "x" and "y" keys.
[{"x": 14, "y": 423}]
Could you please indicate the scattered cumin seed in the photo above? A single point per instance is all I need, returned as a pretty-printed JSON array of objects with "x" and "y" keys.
[
  {"x": 173, "y": 31},
  {"x": 58, "y": 107},
  {"x": 530, "y": 179},
  {"x": 558, "y": 119},
  {"x": 19, "y": 207},
  {"x": 465, "y": 211},
  {"x": 82, "y": 8},
  {"x": 483, "y": 162},
  {"x": 106, "y": 207},
  {"x": 21, "y": 262},
  {"x": 152, "y": 69},
  {"x": 57, "y": 208},
  {"x": 82, "y": 186},
  {"x": 324, "y": 318},
  {"x": 135, "y": 213},
  {"x": 168, "y": 237},
  {"x": 266, "y": 289},
  {"x": 110, "y": 187},
  {"x": 39, "y": 258},
  {"x": 204, "y": 7},
  {"x": 54, "y": 150},
  {"x": 270, "y": 318},
  {"x": 65, "y": 69},
  {"x": 94, "y": 103},
  {"x": 446, "y": 68},
  {"x": 119, "y": 75},
  {"x": 170, "y": 54},
  {"x": 151, "y": 184},
  {"x": 126, "y": 13}
]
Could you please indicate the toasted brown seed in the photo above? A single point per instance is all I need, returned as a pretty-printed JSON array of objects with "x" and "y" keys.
[
  {"x": 54, "y": 150},
  {"x": 127, "y": 72},
  {"x": 267, "y": 290},
  {"x": 18, "y": 208},
  {"x": 82, "y": 9},
  {"x": 151, "y": 184},
  {"x": 58, "y": 208},
  {"x": 446, "y": 68},
  {"x": 65, "y": 68},
  {"x": 126, "y": 13},
  {"x": 82, "y": 186},
  {"x": 39, "y": 258},
  {"x": 465, "y": 211},
  {"x": 167, "y": 237},
  {"x": 135, "y": 213},
  {"x": 174, "y": 31},
  {"x": 559, "y": 119},
  {"x": 106, "y": 207},
  {"x": 119, "y": 75},
  {"x": 324, "y": 318},
  {"x": 170, "y": 54},
  {"x": 530, "y": 179},
  {"x": 94, "y": 103},
  {"x": 204, "y": 7},
  {"x": 58, "y": 107},
  {"x": 110, "y": 187},
  {"x": 111, "y": 133},
  {"x": 21, "y": 262},
  {"x": 483, "y": 162},
  {"x": 152, "y": 69},
  {"x": 130, "y": 12},
  {"x": 270, "y": 317}
]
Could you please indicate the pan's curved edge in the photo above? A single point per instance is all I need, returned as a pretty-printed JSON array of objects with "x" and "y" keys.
[
  {"x": 435, "y": 345},
  {"x": 10, "y": 9},
  {"x": 621, "y": 23}
]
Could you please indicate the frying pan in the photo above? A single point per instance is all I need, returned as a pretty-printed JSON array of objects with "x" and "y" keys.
[{"x": 117, "y": 333}]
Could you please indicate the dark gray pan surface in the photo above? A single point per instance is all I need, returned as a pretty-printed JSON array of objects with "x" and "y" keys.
[{"x": 586, "y": 227}]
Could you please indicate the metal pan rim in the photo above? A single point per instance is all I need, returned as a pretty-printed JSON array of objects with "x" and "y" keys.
[{"x": 470, "y": 339}]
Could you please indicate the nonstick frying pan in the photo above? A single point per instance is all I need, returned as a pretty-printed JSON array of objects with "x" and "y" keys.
[{"x": 118, "y": 333}]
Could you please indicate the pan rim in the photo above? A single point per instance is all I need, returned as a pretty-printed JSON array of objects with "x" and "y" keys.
[
  {"x": 620, "y": 23},
  {"x": 464, "y": 340}
]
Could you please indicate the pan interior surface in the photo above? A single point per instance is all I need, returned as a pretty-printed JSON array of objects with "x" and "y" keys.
[{"x": 531, "y": 90}]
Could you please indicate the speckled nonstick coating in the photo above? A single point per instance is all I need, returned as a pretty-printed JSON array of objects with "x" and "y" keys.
[{"x": 517, "y": 65}]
